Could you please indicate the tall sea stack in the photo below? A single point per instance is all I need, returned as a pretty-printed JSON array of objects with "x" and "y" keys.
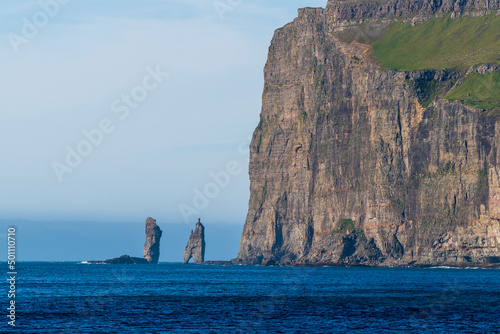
[
  {"x": 195, "y": 247},
  {"x": 361, "y": 161},
  {"x": 152, "y": 243}
]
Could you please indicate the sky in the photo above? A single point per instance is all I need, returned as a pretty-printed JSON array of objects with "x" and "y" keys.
[{"x": 118, "y": 110}]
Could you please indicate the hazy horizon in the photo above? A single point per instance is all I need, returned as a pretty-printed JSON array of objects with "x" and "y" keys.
[{"x": 56, "y": 241}]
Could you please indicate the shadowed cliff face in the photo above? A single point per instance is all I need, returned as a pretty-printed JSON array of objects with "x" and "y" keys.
[
  {"x": 353, "y": 164},
  {"x": 152, "y": 243}
]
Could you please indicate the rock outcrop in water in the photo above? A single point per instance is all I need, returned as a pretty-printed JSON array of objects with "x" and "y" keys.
[
  {"x": 125, "y": 259},
  {"x": 152, "y": 243},
  {"x": 151, "y": 248},
  {"x": 195, "y": 247},
  {"x": 355, "y": 164}
]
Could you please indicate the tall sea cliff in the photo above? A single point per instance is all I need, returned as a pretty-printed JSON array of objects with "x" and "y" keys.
[{"x": 365, "y": 157}]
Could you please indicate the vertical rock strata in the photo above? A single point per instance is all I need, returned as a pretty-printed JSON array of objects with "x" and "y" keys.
[
  {"x": 195, "y": 247},
  {"x": 152, "y": 243},
  {"x": 348, "y": 167}
]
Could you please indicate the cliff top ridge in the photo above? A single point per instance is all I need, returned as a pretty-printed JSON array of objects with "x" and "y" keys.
[{"x": 359, "y": 9}]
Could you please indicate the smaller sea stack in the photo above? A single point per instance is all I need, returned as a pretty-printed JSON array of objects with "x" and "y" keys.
[{"x": 195, "y": 247}]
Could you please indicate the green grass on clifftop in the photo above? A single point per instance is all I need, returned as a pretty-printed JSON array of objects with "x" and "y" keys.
[
  {"x": 478, "y": 91},
  {"x": 440, "y": 43}
]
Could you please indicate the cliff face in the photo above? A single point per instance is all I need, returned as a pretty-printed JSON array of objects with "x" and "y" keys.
[
  {"x": 152, "y": 243},
  {"x": 354, "y": 164},
  {"x": 195, "y": 247}
]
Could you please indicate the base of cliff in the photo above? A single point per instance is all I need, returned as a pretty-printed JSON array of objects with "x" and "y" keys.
[{"x": 382, "y": 265}]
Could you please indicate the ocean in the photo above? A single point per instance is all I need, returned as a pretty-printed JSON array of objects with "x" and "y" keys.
[{"x": 175, "y": 298}]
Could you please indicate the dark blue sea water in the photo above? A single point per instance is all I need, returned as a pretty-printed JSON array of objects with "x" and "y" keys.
[{"x": 173, "y": 298}]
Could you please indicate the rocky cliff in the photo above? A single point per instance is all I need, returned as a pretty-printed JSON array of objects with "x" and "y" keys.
[
  {"x": 195, "y": 247},
  {"x": 353, "y": 163}
]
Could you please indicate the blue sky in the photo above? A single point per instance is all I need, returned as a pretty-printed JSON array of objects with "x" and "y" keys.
[{"x": 63, "y": 81}]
